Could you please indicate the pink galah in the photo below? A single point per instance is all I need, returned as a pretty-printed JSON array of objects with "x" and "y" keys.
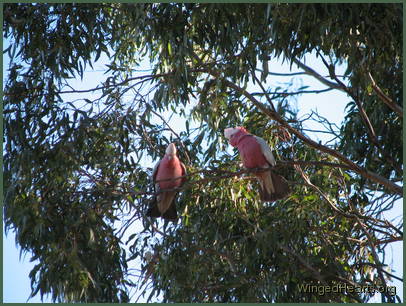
[
  {"x": 166, "y": 175},
  {"x": 255, "y": 153}
]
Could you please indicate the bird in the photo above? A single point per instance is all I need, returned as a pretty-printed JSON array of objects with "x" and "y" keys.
[
  {"x": 256, "y": 153},
  {"x": 168, "y": 173}
]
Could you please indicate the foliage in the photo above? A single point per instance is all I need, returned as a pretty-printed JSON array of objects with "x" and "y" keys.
[{"x": 76, "y": 172}]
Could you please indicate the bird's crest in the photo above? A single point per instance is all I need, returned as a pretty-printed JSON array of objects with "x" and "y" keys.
[
  {"x": 231, "y": 131},
  {"x": 171, "y": 149}
]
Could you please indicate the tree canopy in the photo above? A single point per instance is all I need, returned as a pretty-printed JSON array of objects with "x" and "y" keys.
[{"x": 77, "y": 171}]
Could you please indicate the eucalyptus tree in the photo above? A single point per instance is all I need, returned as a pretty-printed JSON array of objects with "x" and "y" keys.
[{"x": 75, "y": 171}]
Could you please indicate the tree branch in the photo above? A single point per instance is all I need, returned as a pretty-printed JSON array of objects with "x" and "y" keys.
[
  {"x": 385, "y": 99},
  {"x": 348, "y": 91},
  {"x": 304, "y": 263},
  {"x": 293, "y": 93},
  {"x": 223, "y": 255},
  {"x": 174, "y": 133},
  {"x": 374, "y": 255},
  {"x": 378, "y": 267},
  {"x": 313, "y": 73}
]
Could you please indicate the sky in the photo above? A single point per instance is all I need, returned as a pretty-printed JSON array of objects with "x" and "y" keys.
[{"x": 16, "y": 284}]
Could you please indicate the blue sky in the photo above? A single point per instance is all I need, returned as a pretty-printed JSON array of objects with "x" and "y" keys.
[{"x": 330, "y": 105}]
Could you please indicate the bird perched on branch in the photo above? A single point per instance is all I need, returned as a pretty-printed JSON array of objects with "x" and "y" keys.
[
  {"x": 166, "y": 176},
  {"x": 255, "y": 153}
]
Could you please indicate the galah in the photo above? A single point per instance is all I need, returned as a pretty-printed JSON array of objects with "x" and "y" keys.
[
  {"x": 167, "y": 175},
  {"x": 255, "y": 153}
]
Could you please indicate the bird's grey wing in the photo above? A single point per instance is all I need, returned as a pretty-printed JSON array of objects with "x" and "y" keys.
[
  {"x": 266, "y": 150},
  {"x": 153, "y": 210},
  {"x": 154, "y": 172}
]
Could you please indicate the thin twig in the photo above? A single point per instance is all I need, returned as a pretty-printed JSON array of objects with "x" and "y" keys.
[
  {"x": 362, "y": 112},
  {"x": 385, "y": 99},
  {"x": 313, "y": 73},
  {"x": 374, "y": 255},
  {"x": 304, "y": 263},
  {"x": 174, "y": 133},
  {"x": 378, "y": 267}
]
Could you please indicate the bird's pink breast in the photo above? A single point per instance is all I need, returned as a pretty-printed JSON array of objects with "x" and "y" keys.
[
  {"x": 251, "y": 153},
  {"x": 169, "y": 169}
]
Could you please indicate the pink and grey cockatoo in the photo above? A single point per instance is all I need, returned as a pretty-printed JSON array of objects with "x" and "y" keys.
[
  {"x": 164, "y": 176},
  {"x": 255, "y": 153}
]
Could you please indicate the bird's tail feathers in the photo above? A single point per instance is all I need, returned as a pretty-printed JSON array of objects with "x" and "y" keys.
[
  {"x": 163, "y": 206},
  {"x": 153, "y": 210},
  {"x": 171, "y": 214},
  {"x": 272, "y": 186},
  {"x": 165, "y": 200}
]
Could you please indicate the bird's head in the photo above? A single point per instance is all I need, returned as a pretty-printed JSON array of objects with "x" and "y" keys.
[
  {"x": 171, "y": 150},
  {"x": 230, "y": 132}
]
